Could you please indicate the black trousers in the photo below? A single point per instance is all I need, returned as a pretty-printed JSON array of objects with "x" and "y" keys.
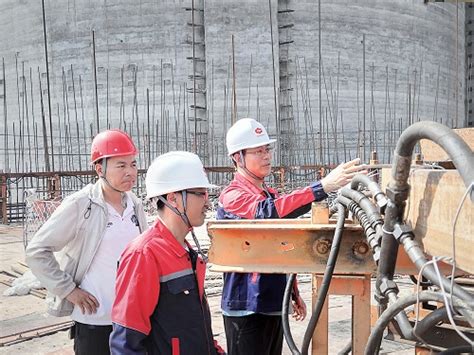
[
  {"x": 91, "y": 339},
  {"x": 256, "y": 334}
]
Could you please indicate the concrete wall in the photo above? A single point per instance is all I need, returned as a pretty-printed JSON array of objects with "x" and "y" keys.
[
  {"x": 249, "y": 22},
  {"x": 137, "y": 47},
  {"x": 412, "y": 72}
]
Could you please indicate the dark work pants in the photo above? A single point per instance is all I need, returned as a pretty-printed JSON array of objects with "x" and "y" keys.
[
  {"x": 256, "y": 334},
  {"x": 91, "y": 339}
]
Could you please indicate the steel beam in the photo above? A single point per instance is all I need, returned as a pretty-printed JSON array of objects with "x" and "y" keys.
[{"x": 290, "y": 246}]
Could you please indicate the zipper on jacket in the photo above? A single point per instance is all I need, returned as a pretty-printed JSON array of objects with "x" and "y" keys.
[{"x": 100, "y": 241}]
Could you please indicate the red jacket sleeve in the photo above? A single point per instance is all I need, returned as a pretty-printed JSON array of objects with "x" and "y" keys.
[
  {"x": 249, "y": 205},
  {"x": 137, "y": 291}
]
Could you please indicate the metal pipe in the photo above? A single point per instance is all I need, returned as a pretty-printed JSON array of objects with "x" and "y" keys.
[
  {"x": 5, "y": 117},
  {"x": 49, "y": 94},
  {"x": 402, "y": 319},
  {"x": 94, "y": 78},
  {"x": 416, "y": 255}
]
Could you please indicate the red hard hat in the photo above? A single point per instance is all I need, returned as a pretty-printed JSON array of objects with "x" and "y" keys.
[{"x": 112, "y": 143}]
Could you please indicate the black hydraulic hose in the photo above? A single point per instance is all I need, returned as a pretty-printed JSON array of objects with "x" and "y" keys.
[
  {"x": 374, "y": 188},
  {"x": 389, "y": 245},
  {"x": 360, "y": 201},
  {"x": 403, "y": 302},
  {"x": 372, "y": 235},
  {"x": 322, "y": 292},
  {"x": 398, "y": 188},
  {"x": 462, "y": 349},
  {"x": 364, "y": 202},
  {"x": 459, "y": 152},
  {"x": 430, "y": 321},
  {"x": 328, "y": 272},
  {"x": 284, "y": 315},
  {"x": 344, "y": 200}
]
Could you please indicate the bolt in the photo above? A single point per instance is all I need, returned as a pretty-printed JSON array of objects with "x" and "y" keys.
[
  {"x": 322, "y": 246},
  {"x": 360, "y": 248}
]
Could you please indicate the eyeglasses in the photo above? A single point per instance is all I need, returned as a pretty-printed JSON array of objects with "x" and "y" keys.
[
  {"x": 260, "y": 152},
  {"x": 198, "y": 193}
]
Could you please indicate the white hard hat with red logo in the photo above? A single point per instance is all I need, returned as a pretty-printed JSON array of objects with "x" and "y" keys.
[
  {"x": 246, "y": 133},
  {"x": 175, "y": 171}
]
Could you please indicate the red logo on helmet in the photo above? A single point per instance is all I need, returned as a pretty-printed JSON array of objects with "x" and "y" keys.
[{"x": 258, "y": 130}]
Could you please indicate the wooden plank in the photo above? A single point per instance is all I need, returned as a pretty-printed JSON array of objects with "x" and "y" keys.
[
  {"x": 6, "y": 279},
  {"x": 19, "y": 268},
  {"x": 432, "y": 152},
  {"x": 360, "y": 316},
  {"x": 34, "y": 333},
  {"x": 33, "y": 322},
  {"x": 320, "y": 343},
  {"x": 431, "y": 210}
]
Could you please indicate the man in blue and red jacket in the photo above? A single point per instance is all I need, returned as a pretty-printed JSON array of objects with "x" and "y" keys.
[
  {"x": 251, "y": 302},
  {"x": 161, "y": 306}
]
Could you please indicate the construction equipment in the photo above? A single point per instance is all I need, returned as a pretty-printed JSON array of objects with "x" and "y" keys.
[{"x": 427, "y": 211}]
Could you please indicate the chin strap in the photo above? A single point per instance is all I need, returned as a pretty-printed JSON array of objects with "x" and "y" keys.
[
  {"x": 186, "y": 221},
  {"x": 244, "y": 168},
  {"x": 104, "y": 170}
]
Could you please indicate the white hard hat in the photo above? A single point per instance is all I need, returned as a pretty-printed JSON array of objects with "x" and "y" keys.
[
  {"x": 175, "y": 171},
  {"x": 246, "y": 133}
]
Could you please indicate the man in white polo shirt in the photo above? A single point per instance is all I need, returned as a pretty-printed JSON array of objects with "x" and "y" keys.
[{"x": 91, "y": 228}]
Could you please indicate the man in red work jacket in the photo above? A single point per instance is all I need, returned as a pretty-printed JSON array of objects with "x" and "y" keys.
[
  {"x": 251, "y": 302},
  {"x": 160, "y": 305}
]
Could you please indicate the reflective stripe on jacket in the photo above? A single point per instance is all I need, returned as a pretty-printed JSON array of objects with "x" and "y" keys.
[{"x": 160, "y": 305}]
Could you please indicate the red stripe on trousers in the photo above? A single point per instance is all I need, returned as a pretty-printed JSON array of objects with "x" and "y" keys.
[{"x": 175, "y": 346}]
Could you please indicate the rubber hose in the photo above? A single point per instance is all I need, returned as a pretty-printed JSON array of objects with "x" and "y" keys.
[
  {"x": 284, "y": 316},
  {"x": 462, "y": 349},
  {"x": 430, "y": 321},
  {"x": 328, "y": 272},
  {"x": 397, "y": 307}
]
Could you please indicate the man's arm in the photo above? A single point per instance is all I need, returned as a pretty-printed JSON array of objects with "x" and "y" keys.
[
  {"x": 251, "y": 206},
  {"x": 137, "y": 290},
  {"x": 53, "y": 236}
]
